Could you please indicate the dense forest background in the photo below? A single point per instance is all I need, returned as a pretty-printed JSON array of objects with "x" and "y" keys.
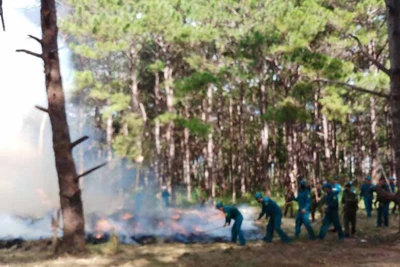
[{"x": 223, "y": 97}]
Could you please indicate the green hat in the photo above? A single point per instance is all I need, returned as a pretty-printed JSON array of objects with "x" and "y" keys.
[
  {"x": 391, "y": 178},
  {"x": 368, "y": 178},
  {"x": 336, "y": 178},
  {"x": 219, "y": 205},
  {"x": 258, "y": 195},
  {"x": 303, "y": 182}
]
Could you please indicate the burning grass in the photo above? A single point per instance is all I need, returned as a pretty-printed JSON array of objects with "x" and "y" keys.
[{"x": 372, "y": 247}]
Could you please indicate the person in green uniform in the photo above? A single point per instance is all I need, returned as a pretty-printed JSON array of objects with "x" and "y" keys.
[
  {"x": 232, "y": 212},
  {"x": 273, "y": 211},
  {"x": 350, "y": 207}
]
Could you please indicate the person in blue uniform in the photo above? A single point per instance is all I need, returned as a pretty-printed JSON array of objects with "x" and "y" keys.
[
  {"x": 303, "y": 214},
  {"x": 270, "y": 209},
  {"x": 331, "y": 213},
  {"x": 383, "y": 208},
  {"x": 392, "y": 184},
  {"x": 165, "y": 196},
  {"x": 367, "y": 194},
  {"x": 232, "y": 212}
]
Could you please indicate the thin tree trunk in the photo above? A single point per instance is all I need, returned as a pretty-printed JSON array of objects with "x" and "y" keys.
[
  {"x": 264, "y": 138},
  {"x": 232, "y": 150},
  {"x": 186, "y": 162},
  {"x": 220, "y": 128},
  {"x": 70, "y": 194},
  {"x": 157, "y": 162},
  {"x": 210, "y": 144},
  {"x": 326, "y": 145},
  {"x": 374, "y": 141},
  {"x": 133, "y": 76},
  {"x": 241, "y": 165},
  {"x": 170, "y": 128}
]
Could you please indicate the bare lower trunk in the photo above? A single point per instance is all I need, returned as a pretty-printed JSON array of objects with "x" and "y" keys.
[
  {"x": 232, "y": 150},
  {"x": 326, "y": 145},
  {"x": 186, "y": 163},
  {"x": 210, "y": 144},
  {"x": 374, "y": 142},
  {"x": 241, "y": 165},
  {"x": 389, "y": 144},
  {"x": 157, "y": 164},
  {"x": 264, "y": 139},
  {"x": 70, "y": 194},
  {"x": 170, "y": 127}
]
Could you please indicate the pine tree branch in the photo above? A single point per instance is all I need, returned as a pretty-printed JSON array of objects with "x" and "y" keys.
[
  {"x": 80, "y": 140},
  {"x": 355, "y": 88},
  {"x": 29, "y": 53},
  {"x": 35, "y": 38},
  {"x": 91, "y": 170},
  {"x": 42, "y": 109},
  {"x": 373, "y": 60}
]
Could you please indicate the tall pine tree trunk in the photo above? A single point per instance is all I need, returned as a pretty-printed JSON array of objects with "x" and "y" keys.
[
  {"x": 393, "y": 21},
  {"x": 242, "y": 144},
  {"x": 210, "y": 143},
  {"x": 374, "y": 141},
  {"x": 232, "y": 156},
  {"x": 70, "y": 193},
  {"x": 186, "y": 161},
  {"x": 170, "y": 127},
  {"x": 326, "y": 145},
  {"x": 264, "y": 138},
  {"x": 157, "y": 162}
]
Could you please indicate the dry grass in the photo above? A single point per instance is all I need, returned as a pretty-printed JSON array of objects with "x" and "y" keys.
[{"x": 372, "y": 248}]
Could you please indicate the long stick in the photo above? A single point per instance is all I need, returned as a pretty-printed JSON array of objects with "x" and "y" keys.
[{"x": 210, "y": 230}]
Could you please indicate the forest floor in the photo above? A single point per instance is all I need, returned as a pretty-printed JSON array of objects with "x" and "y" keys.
[{"x": 372, "y": 247}]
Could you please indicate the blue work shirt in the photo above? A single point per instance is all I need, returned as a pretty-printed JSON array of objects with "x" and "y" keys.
[
  {"x": 332, "y": 203},
  {"x": 367, "y": 190},
  {"x": 231, "y": 212},
  {"x": 269, "y": 208},
  {"x": 304, "y": 200}
]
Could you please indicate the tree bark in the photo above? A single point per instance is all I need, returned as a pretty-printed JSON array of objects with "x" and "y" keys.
[
  {"x": 374, "y": 141},
  {"x": 326, "y": 145},
  {"x": 170, "y": 128},
  {"x": 264, "y": 137},
  {"x": 393, "y": 21},
  {"x": 186, "y": 162},
  {"x": 70, "y": 193},
  {"x": 210, "y": 143},
  {"x": 241, "y": 164},
  {"x": 232, "y": 157}
]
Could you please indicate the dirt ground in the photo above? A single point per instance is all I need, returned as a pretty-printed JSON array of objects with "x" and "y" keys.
[{"x": 372, "y": 247}]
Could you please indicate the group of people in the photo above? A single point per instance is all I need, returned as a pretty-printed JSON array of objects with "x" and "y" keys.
[{"x": 309, "y": 201}]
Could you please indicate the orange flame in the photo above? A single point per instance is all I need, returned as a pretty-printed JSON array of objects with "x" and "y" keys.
[{"x": 127, "y": 216}]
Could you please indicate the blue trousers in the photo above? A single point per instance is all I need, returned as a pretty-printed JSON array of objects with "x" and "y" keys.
[
  {"x": 368, "y": 205},
  {"x": 331, "y": 217},
  {"x": 236, "y": 231},
  {"x": 383, "y": 214},
  {"x": 274, "y": 224},
  {"x": 304, "y": 219},
  {"x": 166, "y": 201}
]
